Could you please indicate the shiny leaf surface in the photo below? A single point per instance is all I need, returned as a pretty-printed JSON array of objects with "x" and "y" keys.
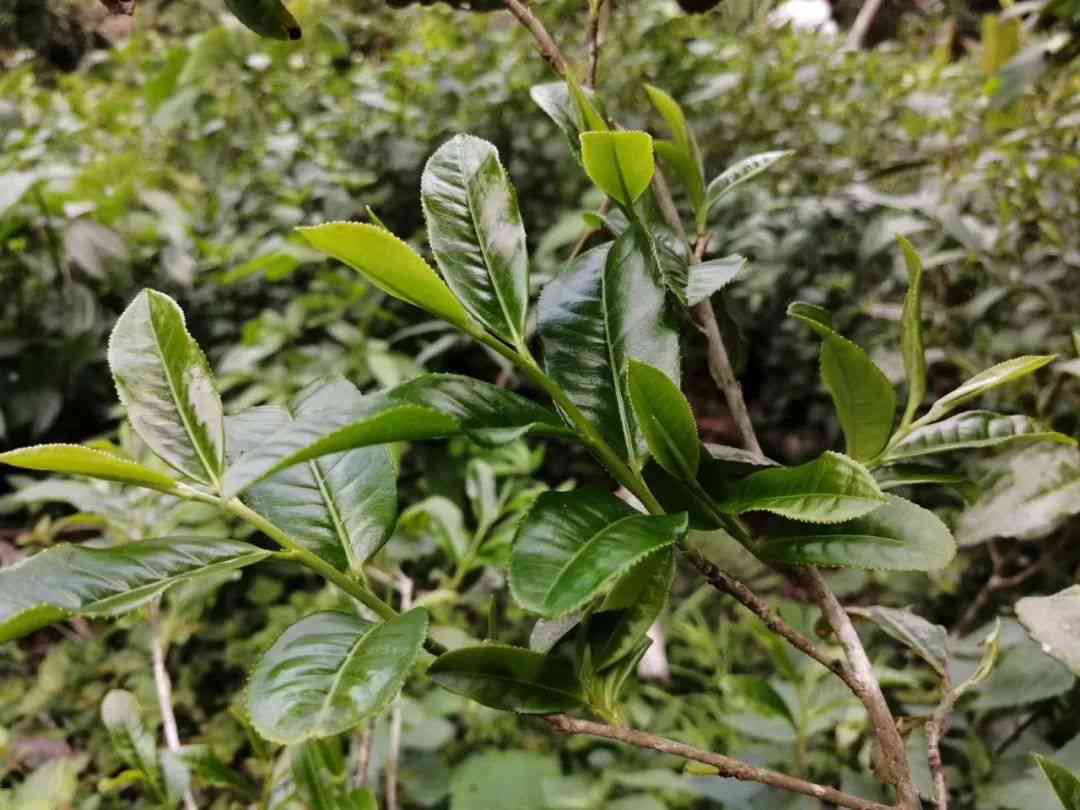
[
  {"x": 331, "y": 671},
  {"x": 166, "y": 386},
  {"x": 985, "y": 381},
  {"x": 970, "y": 430},
  {"x": 476, "y": 233},
  {"x": 665, "y": 419},
  {"x": 74, "y": 459},
  {"x": 911, "y": 338},
  {"x": 619, "y": 163}
]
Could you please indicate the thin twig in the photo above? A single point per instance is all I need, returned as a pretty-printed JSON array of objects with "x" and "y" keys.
[
  {"x": 895, "y": 766},
  {"x": 546, "y": 45},
  {"x": 935, "y": 732},
  {"x": 405, "y": 588},
  {"x": 863, "y": 20},
  {"x": 1000, "y": 581},
  {"x": 362, "y": 741},
  {"x": 594, "y": 37},
  {"x": 164, "y": 689},
  {"x": 760, "y": 608},
  {"x": 726, "y": 766}
]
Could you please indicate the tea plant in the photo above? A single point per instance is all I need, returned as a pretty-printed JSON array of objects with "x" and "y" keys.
[{"x": 318, "y": 482}]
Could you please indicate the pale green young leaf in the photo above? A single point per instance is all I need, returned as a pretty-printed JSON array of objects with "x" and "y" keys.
[
  {"x": 863, "y": 396},
  {"x": 343, "y": 506},
  {"x": 476, "y": 233},
  {"x": 984, "y": 381},
  {"x": 683, "y": 153},
  {"x": 75, "y": 459},
  {"x": 738, "y": 173},
  {"x": 911, "y": 338},
  {"x": 898, "y": 536},
  {"x": 830, "y": 489},
  {"x": 606, "y": 307},
  {"x": 167, "y": 388},
  {"x": 510, "y": 678},
  {"x": 68, "y": 580},
  {"x": 619, "y": 163},
  {"x": 666, "y": 420},
  {"x": 572, "y": 545},
  {"x": 1065, "y": 783},
  {"x": 390, "y": 264},
  {"x": 1054, "y": 622},
  {"x": 330, "y": 672},
  {"x": 970, "y": 430}
]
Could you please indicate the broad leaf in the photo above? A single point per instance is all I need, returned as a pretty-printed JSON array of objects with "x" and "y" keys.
[
  {"x": 429, "y": 407},
  {"x": 572, "y": 113},
  {"x": 984, "y": 381},
  {"x": 1065, "y": 783},
  {"x": 927, "y": 639},
  {"x": 712, "y": 276},
  {"x": 972, "y": 429},
  {"x": 897, "y": 536},
  {"x": 830, "y": 489},
  {"x": 1054, "y": 622},
  {"x": 476, "y": 234},
  {"x": 376, "y": 420},
  {"x": 166, "y": 386},
  {"x": 864, "y": 398},
  {"x": 122, "y": 718},
  {"x": 911, "y": 339},
  {"x": 665, "y": 419},
  {"x": 69, "y": 580},
  {"x": 1033, "y": 492},
  {"x": 331, "y": 671},
  {"x": 572, "y": 545},
  {"x": 1025, "y": 675},
  {"x": 74, "y": 459},
  {"x": 606, "y": 307},
  {"x": 343, "y": 506},
  {"x": 620, "y": 163},
  {"x": 634, "y": 603},
  {"x": 739, "y": 173},
  {"x": 486, "y": 412},
  {"x": 390, "y": 264},
  {"x": 510, "y": 678}
]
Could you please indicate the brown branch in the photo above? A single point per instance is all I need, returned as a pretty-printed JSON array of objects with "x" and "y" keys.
[
  {"x": 595, "y": 37},
  {"x": 546, "y": 45},
  {"x": 895, "y": 766},
  {"x": 726, "y": 766},
  {"x": 935, "y": 731},
  {"x": 1000, "y": 581},
  {"x": 760, "y": 608}
]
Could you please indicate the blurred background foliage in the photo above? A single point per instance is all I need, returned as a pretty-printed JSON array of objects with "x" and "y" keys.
[{"x": 180, "y": 155}]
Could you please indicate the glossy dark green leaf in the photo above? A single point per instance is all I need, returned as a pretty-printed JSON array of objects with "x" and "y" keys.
[
  {"x": 706, "y": 278},
  {"x": 476, "y": 233},
  {"x": 631, "y": 607},
  {"x": 331, "y": 671},
  {"x": 74, "y": 459},
  {"x": 665, "y": 419},
  {"x": 925, "y": 638},
  {"x": 390, "y": 264},
  {"x": 267, "y": 18},
  {"x": 985, "y": 381},
  {"x": 911, "y": 339},
  {"x": 572, "y": 545},
  {"x": 619, "y": 163},
  {"x": 1054, "y": 622},
  {"x": 573, "y": 115},
  {"x": 485, "y": 411},
  {"x": 1065, "y": 783},
  {"x": 973, "y": 429},
  {"x": 830, "y": 489},
  {"x": 903, "y": 475},
  {"x": 510, "y": 678},
  {"x": 606, "y": 307},
  {"x": 897, "y": 536},
  {"x": 166, "y": 386},
  {"x": 69, "y": 580},
  {"x": 864, "y": 398},
  {"x": 739, "y": 173},
  {"x": 122, "y": 717},
  {"x": 376, "y": 420},
  {"x": 341, "y": 506}
]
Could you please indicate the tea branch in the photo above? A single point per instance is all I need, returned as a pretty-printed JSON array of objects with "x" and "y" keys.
[{"x": 724, "y": 765}]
